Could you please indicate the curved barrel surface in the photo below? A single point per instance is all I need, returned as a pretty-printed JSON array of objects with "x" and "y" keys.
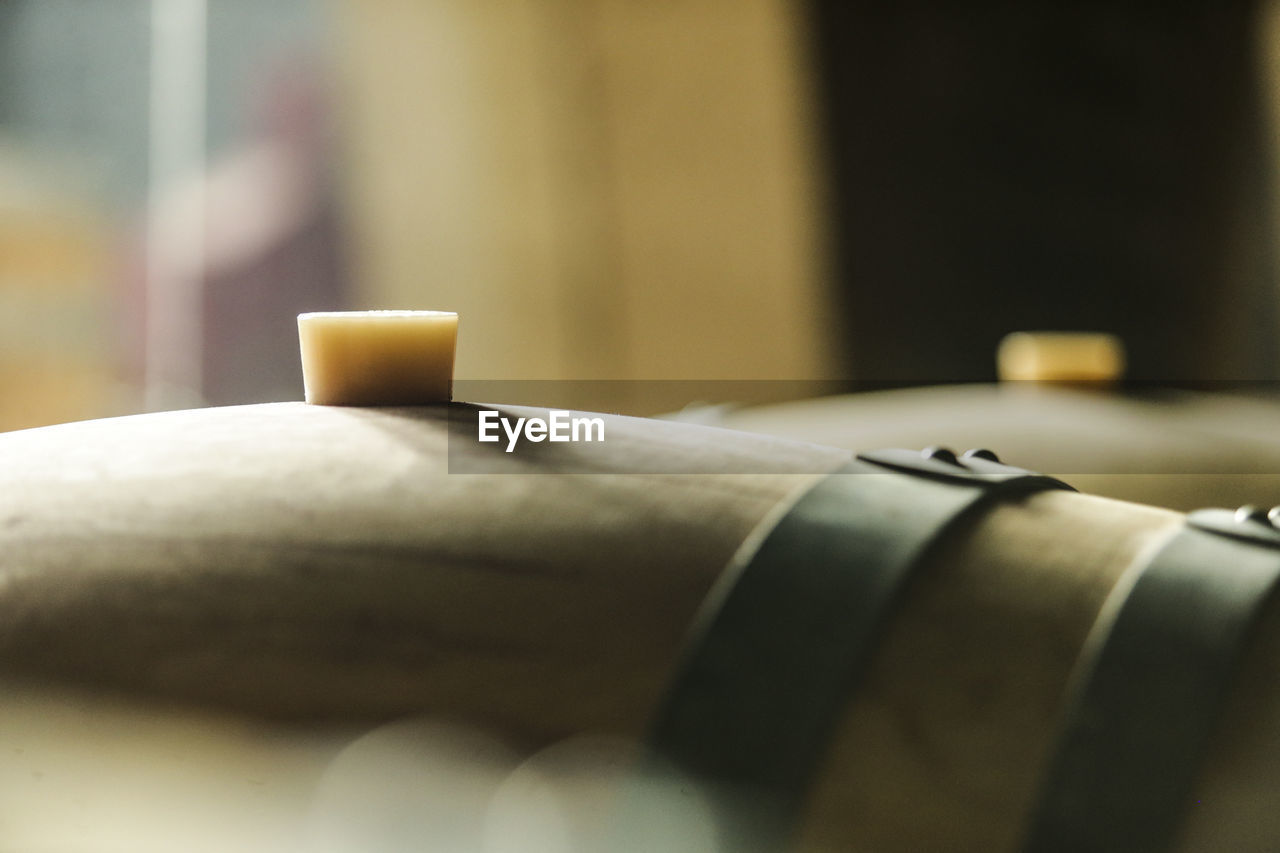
[
  {"x": 308, "y": 564},
  {"x": 294, "y": 560}
]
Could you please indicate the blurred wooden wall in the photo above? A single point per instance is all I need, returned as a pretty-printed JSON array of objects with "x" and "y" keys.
[{"x": 603, "y": 189}]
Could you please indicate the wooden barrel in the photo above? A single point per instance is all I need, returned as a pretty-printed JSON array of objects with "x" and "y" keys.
[
  {"x": 1177, "y": 449},
  {"x": 332, "y": 565}
]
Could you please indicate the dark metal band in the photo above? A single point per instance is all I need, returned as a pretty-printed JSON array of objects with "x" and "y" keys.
[
  {"x": 1152, "y": 680},
  {"x": 780, "y": 645}
]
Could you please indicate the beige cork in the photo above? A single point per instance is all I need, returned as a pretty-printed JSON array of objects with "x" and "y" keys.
[
  {"x": 1066, "y": 357},
  {"x": 378, "y": 358}
]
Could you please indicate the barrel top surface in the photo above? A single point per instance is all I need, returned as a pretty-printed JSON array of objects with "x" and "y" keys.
[
  {"x": 297, "y": 462},
  {"x": 257, "y": 556}
]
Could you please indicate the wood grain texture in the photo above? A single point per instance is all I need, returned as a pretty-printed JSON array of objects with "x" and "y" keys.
[
  {"x": 308, "y": 561},
  {"x": 944, "y": 745}
]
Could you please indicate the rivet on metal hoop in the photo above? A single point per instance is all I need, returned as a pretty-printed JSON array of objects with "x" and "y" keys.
[
  {"x": 940, "y": 454},
  {"x": 1249, "y": 512},
  {"x": 981, "y": 453},
  {"x": 1274, "y": 516}
]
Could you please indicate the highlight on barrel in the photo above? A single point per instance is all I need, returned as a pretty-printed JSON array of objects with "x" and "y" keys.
[{"x": 378, "y": 358}]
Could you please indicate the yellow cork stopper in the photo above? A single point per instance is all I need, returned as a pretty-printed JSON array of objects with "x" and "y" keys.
[
  {"x": 1066, "y": 357},
  {"x": 378, "y": 358}
]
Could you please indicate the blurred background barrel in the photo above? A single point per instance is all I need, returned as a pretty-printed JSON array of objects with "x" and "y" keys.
[
  {"x": 1178, "y": 449},
  {"x": 1000, "y": 166}
]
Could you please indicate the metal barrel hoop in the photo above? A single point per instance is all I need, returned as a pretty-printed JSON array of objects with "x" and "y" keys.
[
  {"x": 1150, "y": 685},
  {"x": 781, "y": 645}
]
